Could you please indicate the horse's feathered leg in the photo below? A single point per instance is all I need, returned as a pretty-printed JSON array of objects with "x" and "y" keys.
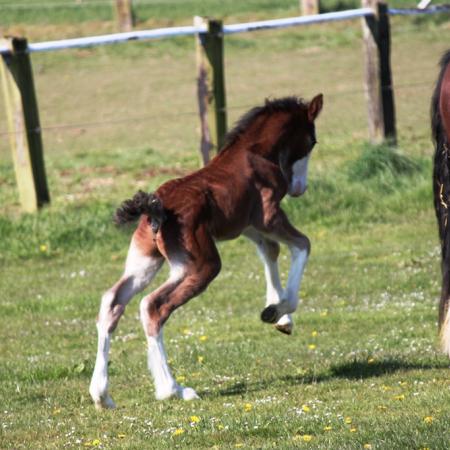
[
  {"x": 268, "y": 251},
  {"x": 440, "y": 124},
  {"x": 192, "y": 269},
  {"x": 140, "y": 268}
]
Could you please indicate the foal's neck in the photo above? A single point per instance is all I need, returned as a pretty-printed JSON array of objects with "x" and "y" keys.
[{"x": 263, "y": 134}]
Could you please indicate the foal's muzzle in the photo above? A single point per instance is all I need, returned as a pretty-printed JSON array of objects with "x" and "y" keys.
[{"x": 296, "y": 189}]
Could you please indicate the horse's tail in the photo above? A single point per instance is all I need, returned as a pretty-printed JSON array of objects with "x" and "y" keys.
[
  {"x": 441, "y": 188},
  {"x": 141, "y": 203}
]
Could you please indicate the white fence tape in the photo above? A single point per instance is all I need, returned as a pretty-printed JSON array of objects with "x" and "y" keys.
[
  {"x": 191, "y": 30},
  {"x": 227, "y": 29}
]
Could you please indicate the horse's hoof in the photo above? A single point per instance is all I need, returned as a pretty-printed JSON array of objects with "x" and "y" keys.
[
  {"x": 187, "y": 394},
  {"x": 285, "y": 328},
  {"x": 270, "y": 314},
  {"x": 104, "y": 403}
]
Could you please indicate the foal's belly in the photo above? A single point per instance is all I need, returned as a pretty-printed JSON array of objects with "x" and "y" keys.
[{"x": 225, "y": 228}]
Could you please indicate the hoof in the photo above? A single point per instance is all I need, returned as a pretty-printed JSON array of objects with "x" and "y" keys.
[
  {"x": 285, "y": 328},
  {"x": 104, "y": 403},
  {"x": 188, "y": 394},
  {"x": 270, "y": 314}
]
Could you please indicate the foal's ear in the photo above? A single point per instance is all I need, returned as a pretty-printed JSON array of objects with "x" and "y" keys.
[{"x": 314, "y": 107}]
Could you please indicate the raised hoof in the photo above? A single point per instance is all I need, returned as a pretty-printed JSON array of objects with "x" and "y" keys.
[
  {"x": 285, "y": 328},
  {"x": 270, "y": 314}
]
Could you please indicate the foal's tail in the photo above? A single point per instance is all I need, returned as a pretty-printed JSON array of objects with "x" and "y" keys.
[
  {"x": 441, "y": 188},
  {"x": 142, "y": 203}
]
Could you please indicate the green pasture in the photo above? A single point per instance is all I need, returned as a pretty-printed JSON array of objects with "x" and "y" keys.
[{"x": 362, "y": 368}]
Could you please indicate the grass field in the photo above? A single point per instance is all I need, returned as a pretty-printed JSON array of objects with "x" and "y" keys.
[{"x": 362, "y": 369}]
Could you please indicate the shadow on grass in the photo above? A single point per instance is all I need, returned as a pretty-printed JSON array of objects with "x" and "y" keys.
[{"x": 354, "y": 370}]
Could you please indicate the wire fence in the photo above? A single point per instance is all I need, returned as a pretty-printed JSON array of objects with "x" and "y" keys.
[
  {"x": 191, "y": 30},
  {"x": 162, "y": 117}
]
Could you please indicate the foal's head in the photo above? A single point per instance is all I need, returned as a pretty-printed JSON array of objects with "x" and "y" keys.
[
  {"x": 296, "y": 142},
  {"x": 282, "y": 131}
]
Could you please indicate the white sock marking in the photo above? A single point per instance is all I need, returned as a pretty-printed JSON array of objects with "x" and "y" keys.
[
  {"x": 445, "y": 334},
  {"x": 165, "y": 385},
  {"x": 274, "y": 291},
  {"x": 298, "y": 263},
  {"x": 99, "y": 382}
]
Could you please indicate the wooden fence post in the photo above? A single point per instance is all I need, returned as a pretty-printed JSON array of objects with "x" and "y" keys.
[
  {"x": 23, "y": 124},
  {"x": 378, "y": 79},
  {"x": 386, "y": 88},
  {"x": 309, "y": 7},
  {"x": 211, "y": 86},
  {"x": 125, "y": 15}
]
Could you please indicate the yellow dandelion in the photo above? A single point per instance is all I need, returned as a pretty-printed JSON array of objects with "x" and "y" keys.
[
  {"x": 428, "y": 419},
  {"x": 43, "y": 248},
  {"x": 307, "y": 438},
  {"x": 200, "y": 359},
  {"x": 178, "y": 432},
  {"x": 238, "y": 445},
  {"x": 353, "y": 430},
  {"x": 121, "y": 436},
  {"x": 386, "y": 388},
  {"x": 248, "y": 407},
  {"x": 382, "y": 407},
  {"x": 312, "y": 346},
  {"x": 367, "y": 446},
  {"x": 370, "y": 360},
  {"x": 306, "y": 408},
  {"x": 348, "y": 420},
  {"x": 399, "y": 397},
  {"x": 324, "y": 313},
  {"x": 56, "y": 411},
  {"x": 220, "y": 426},
  {"x": 403, "y": 383},
  {"x": 314, "y": 333},
  {"x": 203, "y": 338},
  {"x": 195, "y": 419},
  {"x": 186, "y": 332},
  {"x": 327, "y": 428},
  {"x": 180, "y": 378}
]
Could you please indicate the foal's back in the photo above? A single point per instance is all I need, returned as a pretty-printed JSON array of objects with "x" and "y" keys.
[{"x": 221, "y": 194}]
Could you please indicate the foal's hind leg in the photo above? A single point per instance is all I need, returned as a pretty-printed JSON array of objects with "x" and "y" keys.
[
  {"x": 269, "y": 251},
  {"x": 189, "y": 276},
  {"x": 140, "y": 268},
  {"x": 444, "y": 310}
]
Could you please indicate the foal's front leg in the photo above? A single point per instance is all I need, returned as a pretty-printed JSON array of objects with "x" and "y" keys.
[
  {"x": 299, "y": 246},
  {"x": 269, "y": 251}
]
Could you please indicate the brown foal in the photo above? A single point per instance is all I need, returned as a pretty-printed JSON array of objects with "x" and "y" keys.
[{"x": 239, "y": 192}]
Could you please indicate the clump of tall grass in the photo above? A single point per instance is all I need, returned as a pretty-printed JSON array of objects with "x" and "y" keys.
[{"x": 382, "y": 163}]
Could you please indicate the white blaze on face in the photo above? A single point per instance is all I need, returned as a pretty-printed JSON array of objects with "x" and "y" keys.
[{"x": 299, "y": 180}]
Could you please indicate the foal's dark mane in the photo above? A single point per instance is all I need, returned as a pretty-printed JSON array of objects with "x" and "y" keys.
[
  {"x": 436, "y": 123},
  {"x": 285, "y": 104}
]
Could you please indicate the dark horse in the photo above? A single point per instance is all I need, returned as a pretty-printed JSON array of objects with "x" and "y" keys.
[
  {"x": 239, "y": 192},
  {"x": 440, "y": 124}
]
